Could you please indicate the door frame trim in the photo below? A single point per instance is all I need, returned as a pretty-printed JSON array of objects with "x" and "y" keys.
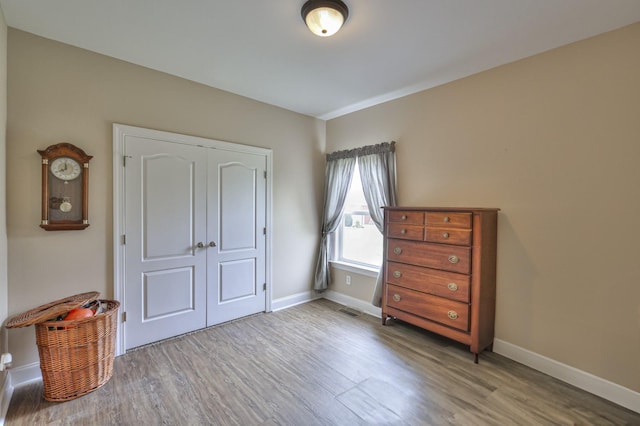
[{"x": 120, "y": 132}]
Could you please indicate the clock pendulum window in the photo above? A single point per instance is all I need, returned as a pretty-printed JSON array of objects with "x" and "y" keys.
[{"x": 65, "y": 177}]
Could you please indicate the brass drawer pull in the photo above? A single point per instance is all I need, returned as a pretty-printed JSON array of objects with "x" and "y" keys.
[
  {"x": 404, "y": 217},
  {"x": 453, "y": 315},
  {"x": 454, "y": 259},
  {"x": 397, "y": 250},
  {"x": 397, "y": 274},
  {"x": 396, "y": 297},
  {"x": 452, "y": 286},
  {"x": 446, "y": 219},
  {"x": 403, "y": 231},
  {"x": 445, "y": 235}
]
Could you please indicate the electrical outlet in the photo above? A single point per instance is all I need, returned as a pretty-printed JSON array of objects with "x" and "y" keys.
[
  {"x": 348, "y": 280},
  {"x": 5, "y": 361}
]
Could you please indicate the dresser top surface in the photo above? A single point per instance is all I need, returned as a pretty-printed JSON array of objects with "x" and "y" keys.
[{"x": 443, "y": 209}]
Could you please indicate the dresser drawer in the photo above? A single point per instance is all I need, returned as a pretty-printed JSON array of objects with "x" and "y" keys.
[
  {"x": 439, "y": 283},
  {"x": 407, "y": 232},
  {"x": 460, "y": 237},
  {"x": 448, "y": 312},
  {"x": 448, "y": 220},
  {"x": 438, "y": 256},
  {"x": 406, "y": 217}
]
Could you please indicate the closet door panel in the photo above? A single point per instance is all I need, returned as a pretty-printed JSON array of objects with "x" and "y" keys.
[
  {"x": 236, "y": 223},
  {"x": 165, "y": 290}
]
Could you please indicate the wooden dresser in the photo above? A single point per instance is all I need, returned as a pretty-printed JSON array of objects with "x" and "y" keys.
[{"x": 440, "y": 271}]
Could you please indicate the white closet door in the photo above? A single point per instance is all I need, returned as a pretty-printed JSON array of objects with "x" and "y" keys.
[
  {"x": 165, "y": 215},
  {"x": 236, "y": 224}
]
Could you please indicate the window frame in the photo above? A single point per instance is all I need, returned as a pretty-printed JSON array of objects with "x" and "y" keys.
[{"x": 336, "y": 246}]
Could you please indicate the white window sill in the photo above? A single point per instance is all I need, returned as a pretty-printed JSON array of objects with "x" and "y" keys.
[{"x": 356, "y": 269}]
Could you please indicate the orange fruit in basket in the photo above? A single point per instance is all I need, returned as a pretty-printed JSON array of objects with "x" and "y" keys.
[{"x": 78, "y": 313}]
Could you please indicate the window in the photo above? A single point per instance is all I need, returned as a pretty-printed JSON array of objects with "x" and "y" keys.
[
  {"x": 357, "y": 241},
  {"x": 351, "y": 238}
]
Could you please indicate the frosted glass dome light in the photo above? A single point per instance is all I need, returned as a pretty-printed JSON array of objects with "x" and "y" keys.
[{"x": 324, "y": 17}]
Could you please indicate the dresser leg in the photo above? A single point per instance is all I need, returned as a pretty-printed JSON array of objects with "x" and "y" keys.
[
  {"x": 386, "y": 318},
  {"x": 475, "y": 358}
]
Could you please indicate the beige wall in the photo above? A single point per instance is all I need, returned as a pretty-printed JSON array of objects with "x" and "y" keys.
[
  {"x": 58, "y": 93},
  {"x": 552, "y": 140},
  {"x": 4, "y": 292}
]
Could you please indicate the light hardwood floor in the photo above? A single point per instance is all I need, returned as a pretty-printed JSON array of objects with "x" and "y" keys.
[{"x": 315, "y": 365}]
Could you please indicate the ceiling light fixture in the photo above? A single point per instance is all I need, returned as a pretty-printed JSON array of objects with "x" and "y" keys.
[{"x": 324, "y": 17}]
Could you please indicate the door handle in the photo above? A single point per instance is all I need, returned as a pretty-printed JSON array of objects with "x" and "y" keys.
[
  {"x": 212, "y": 244},
  {"x": 200, "y": 245}
]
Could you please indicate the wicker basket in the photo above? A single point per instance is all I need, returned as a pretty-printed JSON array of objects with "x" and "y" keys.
[{"x": 76, "y": 357}]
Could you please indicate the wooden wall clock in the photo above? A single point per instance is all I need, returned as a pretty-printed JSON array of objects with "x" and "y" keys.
[{"x": 65, "y": 188}]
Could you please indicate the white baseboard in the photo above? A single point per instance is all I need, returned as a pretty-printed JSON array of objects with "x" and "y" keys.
[
  {"x": 25, "y": 374},
  {"x": 294, "y": 299},
  {"x": 6, "y": 391},
  {"x": 581, "y": 379},
  {"x": 352, "y": 302},
  {"x": 17, "y": 377}
]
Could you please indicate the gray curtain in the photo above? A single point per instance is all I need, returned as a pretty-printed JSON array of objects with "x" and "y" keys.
[
  {"x": 377, "y": 166},
  {"x": 339, "y": 170}
]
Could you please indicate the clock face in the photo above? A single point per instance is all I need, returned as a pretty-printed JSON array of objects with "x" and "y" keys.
[{"x": 65, "y": 168}]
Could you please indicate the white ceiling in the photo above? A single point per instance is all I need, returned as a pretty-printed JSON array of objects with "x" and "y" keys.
[{"x": 261, "y": 48}]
